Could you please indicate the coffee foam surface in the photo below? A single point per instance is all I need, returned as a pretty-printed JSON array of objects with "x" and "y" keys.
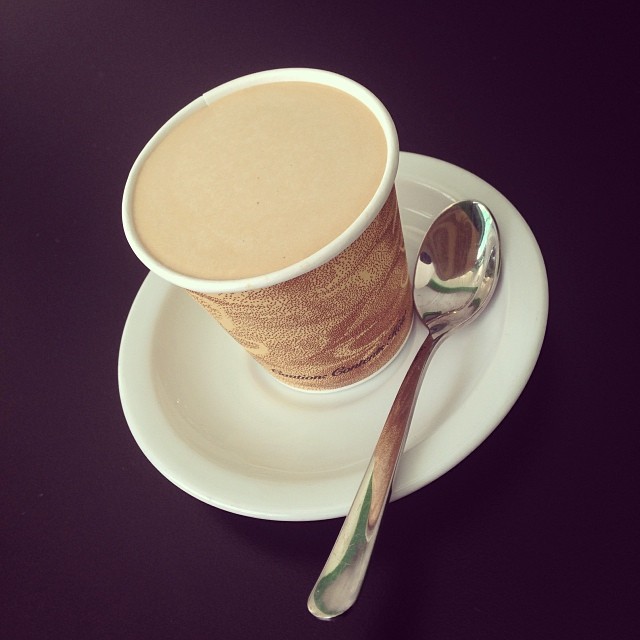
[{"x": 258, "y": 180}]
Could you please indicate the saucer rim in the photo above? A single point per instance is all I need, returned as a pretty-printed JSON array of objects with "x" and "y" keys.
[{"x": 412, "y": 474}]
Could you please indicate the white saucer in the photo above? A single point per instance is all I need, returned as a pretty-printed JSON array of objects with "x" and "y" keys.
[{"x": 218, "y": 427}]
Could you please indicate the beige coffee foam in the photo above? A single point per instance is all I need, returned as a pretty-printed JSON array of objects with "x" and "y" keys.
[
  {"x": 335, "y": 325},
  {"x": 218, "y": 194}
]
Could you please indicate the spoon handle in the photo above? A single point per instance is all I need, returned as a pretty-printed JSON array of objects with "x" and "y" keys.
[{"x": 341, "y": 578}]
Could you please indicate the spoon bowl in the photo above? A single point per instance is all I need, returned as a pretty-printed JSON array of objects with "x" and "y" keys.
[
  {"x": 457, "y": 267},
  {"x": 455, "y": 276}
]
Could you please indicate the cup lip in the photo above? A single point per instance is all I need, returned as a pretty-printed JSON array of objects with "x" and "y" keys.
[{"x": 320, "y": 257}]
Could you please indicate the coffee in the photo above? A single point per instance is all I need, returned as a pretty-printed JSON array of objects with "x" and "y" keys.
[
  {"x": 270, "y": 200},
  {"x": 258, "y": 180}
]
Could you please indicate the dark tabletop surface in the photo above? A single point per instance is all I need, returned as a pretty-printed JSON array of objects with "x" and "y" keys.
[{"x": 534, "y": 535}]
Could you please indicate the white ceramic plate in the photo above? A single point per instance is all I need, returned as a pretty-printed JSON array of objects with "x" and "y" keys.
[{"x": 221, "y": 429}]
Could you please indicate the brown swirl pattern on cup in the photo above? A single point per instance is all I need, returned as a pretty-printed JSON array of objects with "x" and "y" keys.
[{"x": 335, "y": 325}]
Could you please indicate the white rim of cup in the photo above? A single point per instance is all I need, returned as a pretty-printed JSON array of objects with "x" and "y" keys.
[{"x": 320, "y": 257}]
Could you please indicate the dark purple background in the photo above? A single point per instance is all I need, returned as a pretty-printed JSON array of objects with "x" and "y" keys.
[{"x": 533, "y": 536}]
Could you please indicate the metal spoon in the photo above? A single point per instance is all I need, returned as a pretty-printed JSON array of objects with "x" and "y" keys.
[{"x": 455, "y": 276}]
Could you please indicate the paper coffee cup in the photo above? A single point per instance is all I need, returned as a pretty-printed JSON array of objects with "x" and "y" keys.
[{"x": 331, "y": 319}]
